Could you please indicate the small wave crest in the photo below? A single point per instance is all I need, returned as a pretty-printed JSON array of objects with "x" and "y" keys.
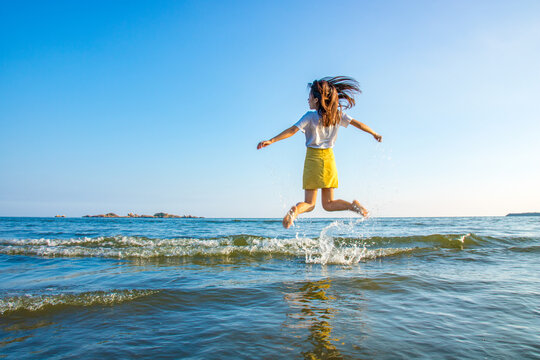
[{"x": 42, "y": 302}]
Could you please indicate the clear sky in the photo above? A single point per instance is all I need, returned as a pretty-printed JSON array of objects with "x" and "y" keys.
[{"x": 150, "y": 106}]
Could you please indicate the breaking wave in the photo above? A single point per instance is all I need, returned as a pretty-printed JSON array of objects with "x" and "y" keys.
[{"x": 324, "y": 249}]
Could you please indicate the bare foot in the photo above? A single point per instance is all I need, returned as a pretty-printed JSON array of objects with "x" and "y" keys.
[
  {"x": 289, "y": 218},
  {"x": 356, "y": 207}
]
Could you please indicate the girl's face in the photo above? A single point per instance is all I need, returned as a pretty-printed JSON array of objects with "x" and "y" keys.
[{"x": 312, "y": 102}]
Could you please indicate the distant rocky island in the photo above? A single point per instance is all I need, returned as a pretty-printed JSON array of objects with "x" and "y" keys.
[
  {"x": 524, "y": 214},
  {"x": 160, "y": 215}
]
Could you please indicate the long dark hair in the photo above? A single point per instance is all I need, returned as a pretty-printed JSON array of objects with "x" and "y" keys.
[{"x": 333, "y": 95}]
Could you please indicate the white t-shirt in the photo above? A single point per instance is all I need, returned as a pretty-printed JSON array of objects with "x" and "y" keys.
[{"x": 318, "y": 136}]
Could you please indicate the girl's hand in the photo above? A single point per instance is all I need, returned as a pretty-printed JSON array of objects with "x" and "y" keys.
[
  {"x": 377, "y": 137},
  {"x": 263, "y": 144}
]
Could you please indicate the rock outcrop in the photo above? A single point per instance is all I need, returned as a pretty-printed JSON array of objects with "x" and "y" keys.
[
  {"x": 524, "y": 214},
  {"x": 108, "y": 215},
  {"x": 160, "y": 215}
]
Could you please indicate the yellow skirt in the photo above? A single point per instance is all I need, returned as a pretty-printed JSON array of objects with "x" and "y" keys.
[{"x": 320, "y": 169}]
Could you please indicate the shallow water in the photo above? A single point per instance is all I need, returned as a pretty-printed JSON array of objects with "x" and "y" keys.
[{"x": 246, "y": 288}]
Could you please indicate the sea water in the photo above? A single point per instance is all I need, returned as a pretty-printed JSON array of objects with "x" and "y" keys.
[{"x": 385, "y": 288}]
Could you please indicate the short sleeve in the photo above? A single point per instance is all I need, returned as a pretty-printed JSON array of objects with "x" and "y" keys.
[
  {"x": 345, "y": 120},
  {"x": 303, "y": 122}
]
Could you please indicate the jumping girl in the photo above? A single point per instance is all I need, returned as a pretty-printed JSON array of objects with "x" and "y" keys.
[{"x": 327, "y": 96}]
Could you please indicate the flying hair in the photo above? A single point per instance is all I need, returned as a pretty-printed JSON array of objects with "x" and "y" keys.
[{"x": 333, "y": 94}]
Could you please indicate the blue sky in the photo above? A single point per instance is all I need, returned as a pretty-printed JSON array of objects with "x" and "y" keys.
[{"x": 157, "y": 106}]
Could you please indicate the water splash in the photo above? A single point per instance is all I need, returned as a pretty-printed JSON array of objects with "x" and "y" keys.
[{"x": 329, "y": 251}]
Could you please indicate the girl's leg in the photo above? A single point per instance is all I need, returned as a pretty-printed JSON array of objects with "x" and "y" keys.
[
  {"x": 301, "y": 207},
  {"x": 329, "y": 204}
]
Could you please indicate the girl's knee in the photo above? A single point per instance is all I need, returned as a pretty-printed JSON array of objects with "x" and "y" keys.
[{"x": 327, "y": 205}]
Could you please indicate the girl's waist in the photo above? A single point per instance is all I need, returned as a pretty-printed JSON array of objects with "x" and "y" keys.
[
  {"x": 314, "y": 150},
  {"x": 315, "y": 153}
]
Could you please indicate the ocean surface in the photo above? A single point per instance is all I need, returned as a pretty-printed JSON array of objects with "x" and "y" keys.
[{"x": 383, "y": 288}]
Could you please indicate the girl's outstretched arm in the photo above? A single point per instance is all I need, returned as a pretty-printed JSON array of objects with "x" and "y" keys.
[
  {"x": 283, "y": 135},
  {"x": 367, "y": 129}
]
